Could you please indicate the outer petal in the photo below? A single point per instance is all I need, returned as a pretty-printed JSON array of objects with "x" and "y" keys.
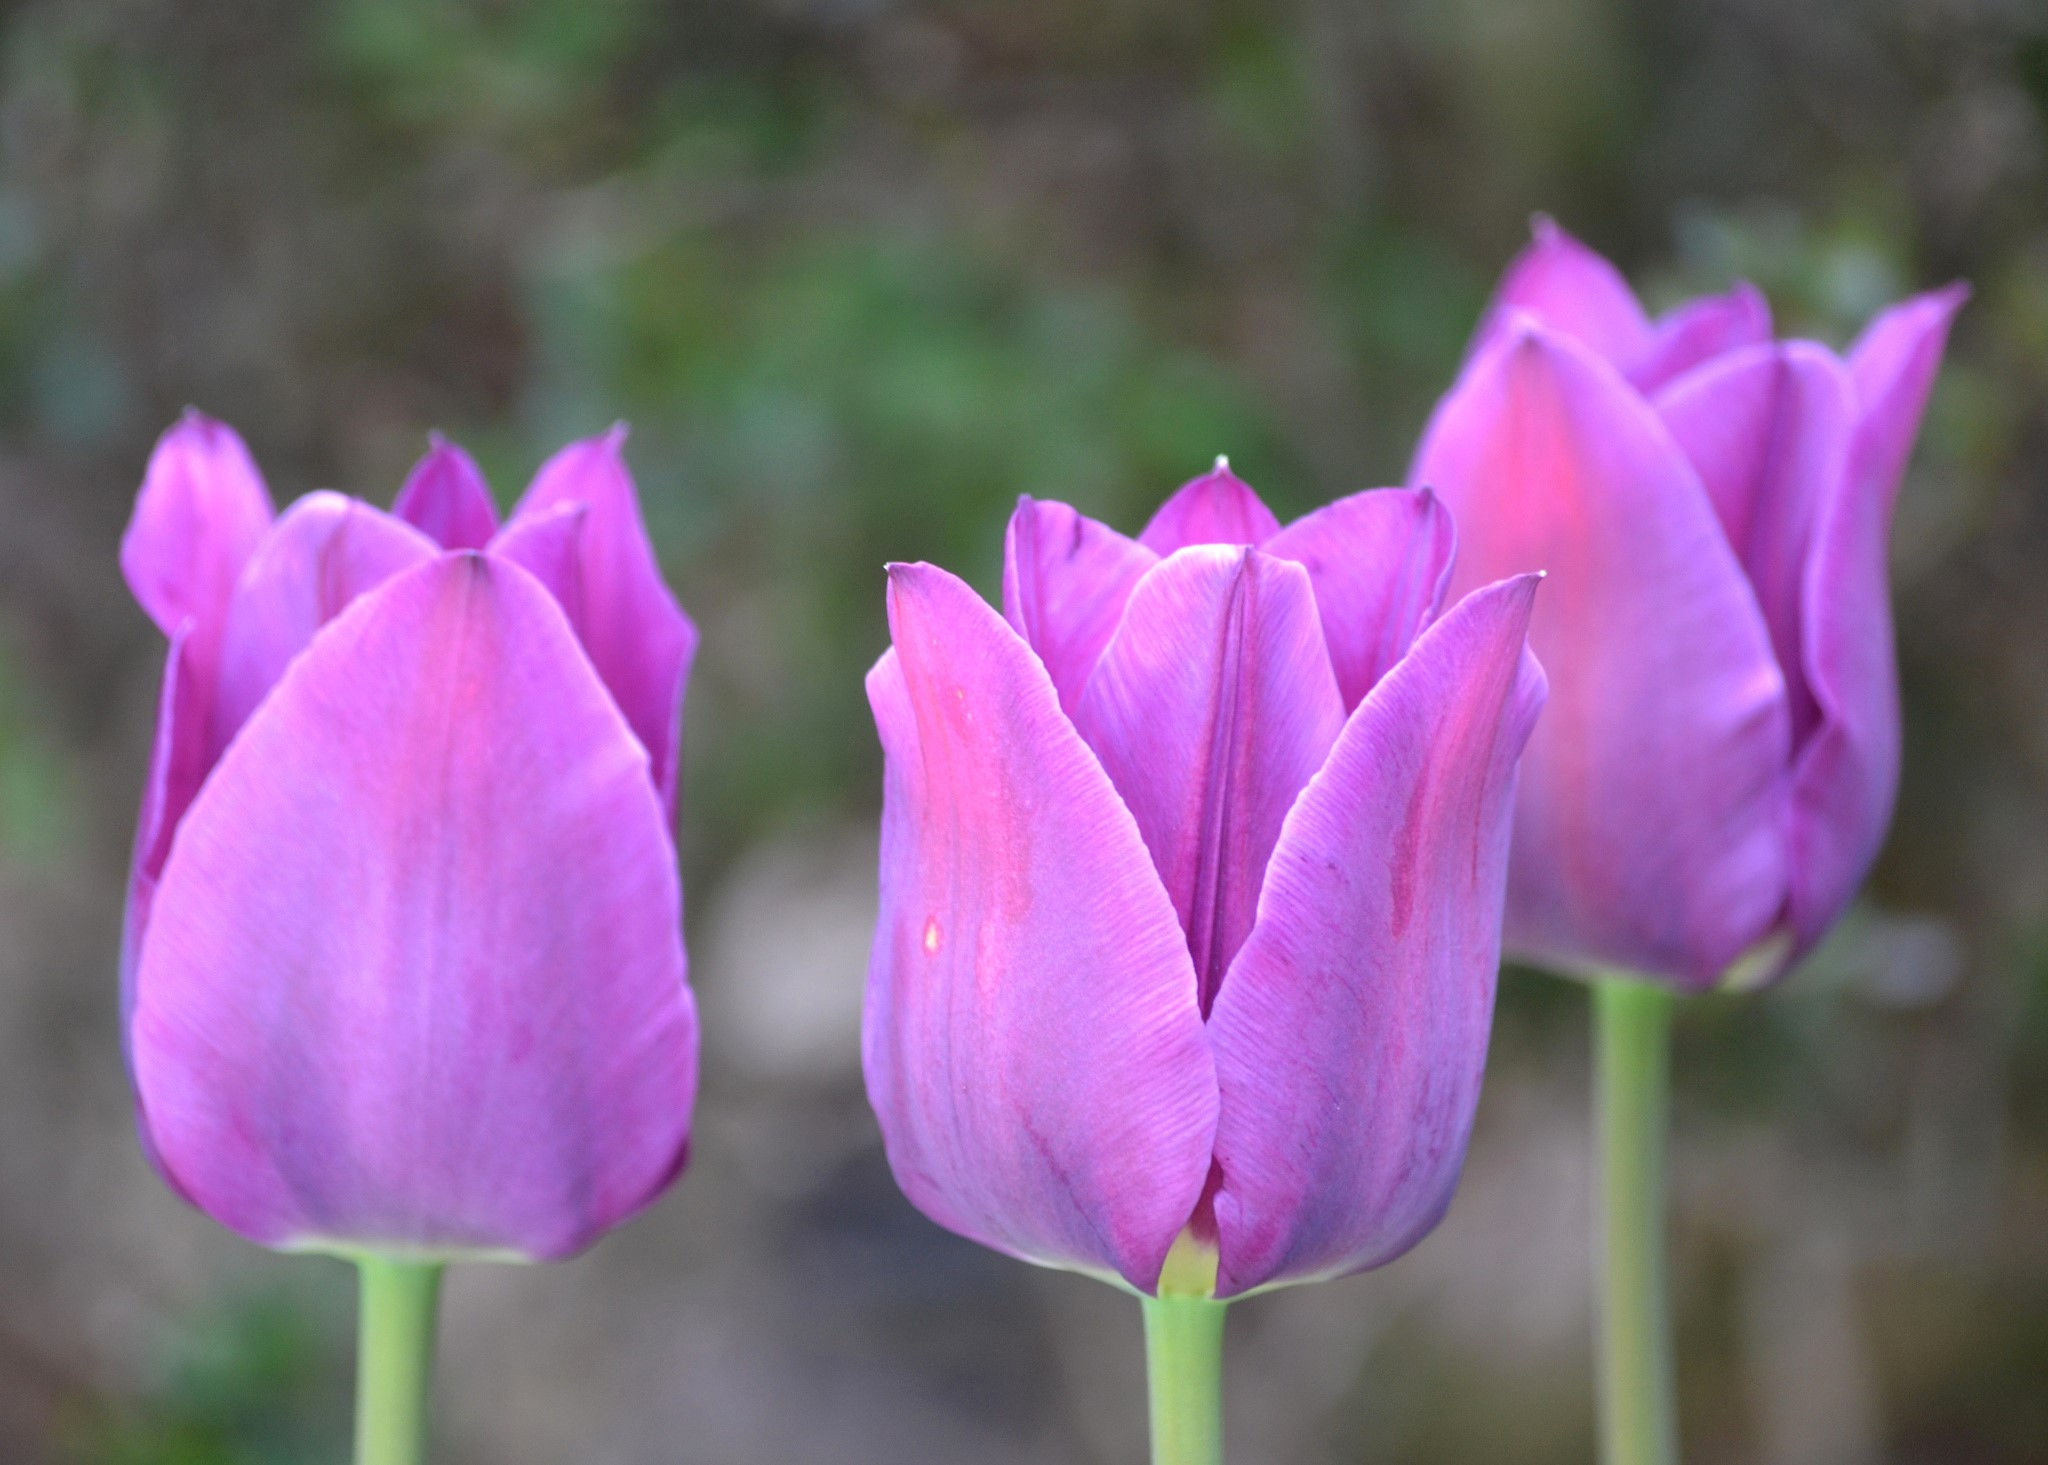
[
  {"x": 1216, "y": 508},
  {"x": 1701, "y": 330},
  {"x": 414, "y": 977},
  {"x": 201, "y": 511},
  {"x": 1570, "y": 289},
  {"x": 177, "y": 765},
  {"x": 1065, "y": 581},
  {"x": 1768, "y": 429},
  {"x": 1351, "y": 1033},
  {"x": 1648, "y": 834},
  {"x": 446, "y": 498},
  {"x": 1848, "y": 769},
  {"x": 636, "y": 634},
  {"x": 1380, "y": 561},
  {"x": 1032, "y": 1044},
  {"x": 324, "y": 552},
  {"x": 1210, "y": 709}
]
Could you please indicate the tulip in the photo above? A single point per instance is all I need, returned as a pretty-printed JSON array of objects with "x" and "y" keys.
[
  {"x": 1718, "y": 765},
  {"x": 403, "y": 977},
  {"x": 1191, "y": 876}
]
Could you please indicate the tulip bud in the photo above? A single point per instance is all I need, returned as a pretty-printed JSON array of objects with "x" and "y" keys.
[
  {"x": 404, "y": 970},
  {"x": 1718, "y": 765},
  {"x": 1192, "y": 865}
]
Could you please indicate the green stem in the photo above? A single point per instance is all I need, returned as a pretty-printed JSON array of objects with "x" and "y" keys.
[
  {"x": 1632, "y": 1104},
  {"x": 395, "y": 1359},
  {"x": 1184, "y": 1374}
]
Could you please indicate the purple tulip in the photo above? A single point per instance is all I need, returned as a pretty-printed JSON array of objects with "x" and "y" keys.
[
  {"x": 1718, "y": 764},
  {"x": 1192, "y": 868},
  {"x": 403, "y": 966}
]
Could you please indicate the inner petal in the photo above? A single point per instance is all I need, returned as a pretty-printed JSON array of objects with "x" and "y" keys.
[
  {"x": 1769, "y": 429},
  {"x": 1217, "y": 508},
  {"x": 325, "y": 551},
  {"x": 1065, "y": 581},
  {"x": 1211, "y": 708}
]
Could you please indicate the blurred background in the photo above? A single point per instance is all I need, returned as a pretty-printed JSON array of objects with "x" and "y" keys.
[{"x": 859, "y": 272}]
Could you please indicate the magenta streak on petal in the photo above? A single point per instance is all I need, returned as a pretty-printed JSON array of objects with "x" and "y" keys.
[
  {"x": 1065, "y": 581},
  {"x": 1210, "y": 709},
  {"x": 1350, "y": 1034},
  {"x": 1216, "y": 508},
  {"x": 324, "y": 552},
  {"x": 446, "y": 498},
  {"x": 1380, "y": 562},
  {"x": 414, "y": 976},
  {"x": 1031, "y": 1040}
]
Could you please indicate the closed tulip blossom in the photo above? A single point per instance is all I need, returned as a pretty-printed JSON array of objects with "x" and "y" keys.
[
  {"x": 403, "y": 975},
  {"x": 1192, "y": 862},
  {"x": 1717, "y": 767}
]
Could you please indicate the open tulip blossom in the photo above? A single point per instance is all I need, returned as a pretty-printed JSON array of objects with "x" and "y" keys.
[
  {"x": 403, "y": 977},
  {"x": 1191, "y": 880},
  {"x": 1716, "y": 770}
]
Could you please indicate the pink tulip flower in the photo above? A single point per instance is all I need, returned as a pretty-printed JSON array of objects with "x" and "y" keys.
[
  {"x": 1192, "y": 868},
  {"x": 1717, "y": 768},
  {"x": 403, "y": 967}
]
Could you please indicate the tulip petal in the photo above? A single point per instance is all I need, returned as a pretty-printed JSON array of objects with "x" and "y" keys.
[
  {"x": 325, "y": 551},
  {"x": 1065, "y": 580},
  {"x": 549, "y": 547},
  {"x": 202, "y": 510},
  {"x": 1847, "y": 772},
  {"x": 177, "y": 766},
  {"x": 1571, "y": 289},
  {"x": 1768, "y": 429},
  {"x": 1648, "y": 835},
  {"x": 445, "y": 498},
  {"x": 1380, "y": 561},
  {"x": 414, "y": 977},
  {"x": 200, "y": 513},
  {"x": 1210, "y": 709},
  {"x": 1031, "y": 1039},
  {"x": 1700, "y": 330},
  {"x": 1350, "y": 1035},
  {"x": 1216, "y": 508},
  {"x": 636, "y": 635}
]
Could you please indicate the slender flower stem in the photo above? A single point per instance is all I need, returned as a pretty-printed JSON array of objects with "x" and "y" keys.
[
  {"x": 1632, "y": 1104},
  {"x": 1184, "y": 1373},
  {"x": 394, "y": 1359}
]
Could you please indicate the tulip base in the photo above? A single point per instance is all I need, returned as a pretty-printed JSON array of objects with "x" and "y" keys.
[
  {"x": 1632, "y": 1104},
  {"x": 1184, "y": 1377},
  {"x": 400, "y": 1301}
]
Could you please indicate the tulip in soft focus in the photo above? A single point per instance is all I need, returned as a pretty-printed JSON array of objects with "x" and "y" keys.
[
  {"x": 403, "y": 968},
  {"x": 1716, "y": 770},
  {"x": 1192, "y": 868}
]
